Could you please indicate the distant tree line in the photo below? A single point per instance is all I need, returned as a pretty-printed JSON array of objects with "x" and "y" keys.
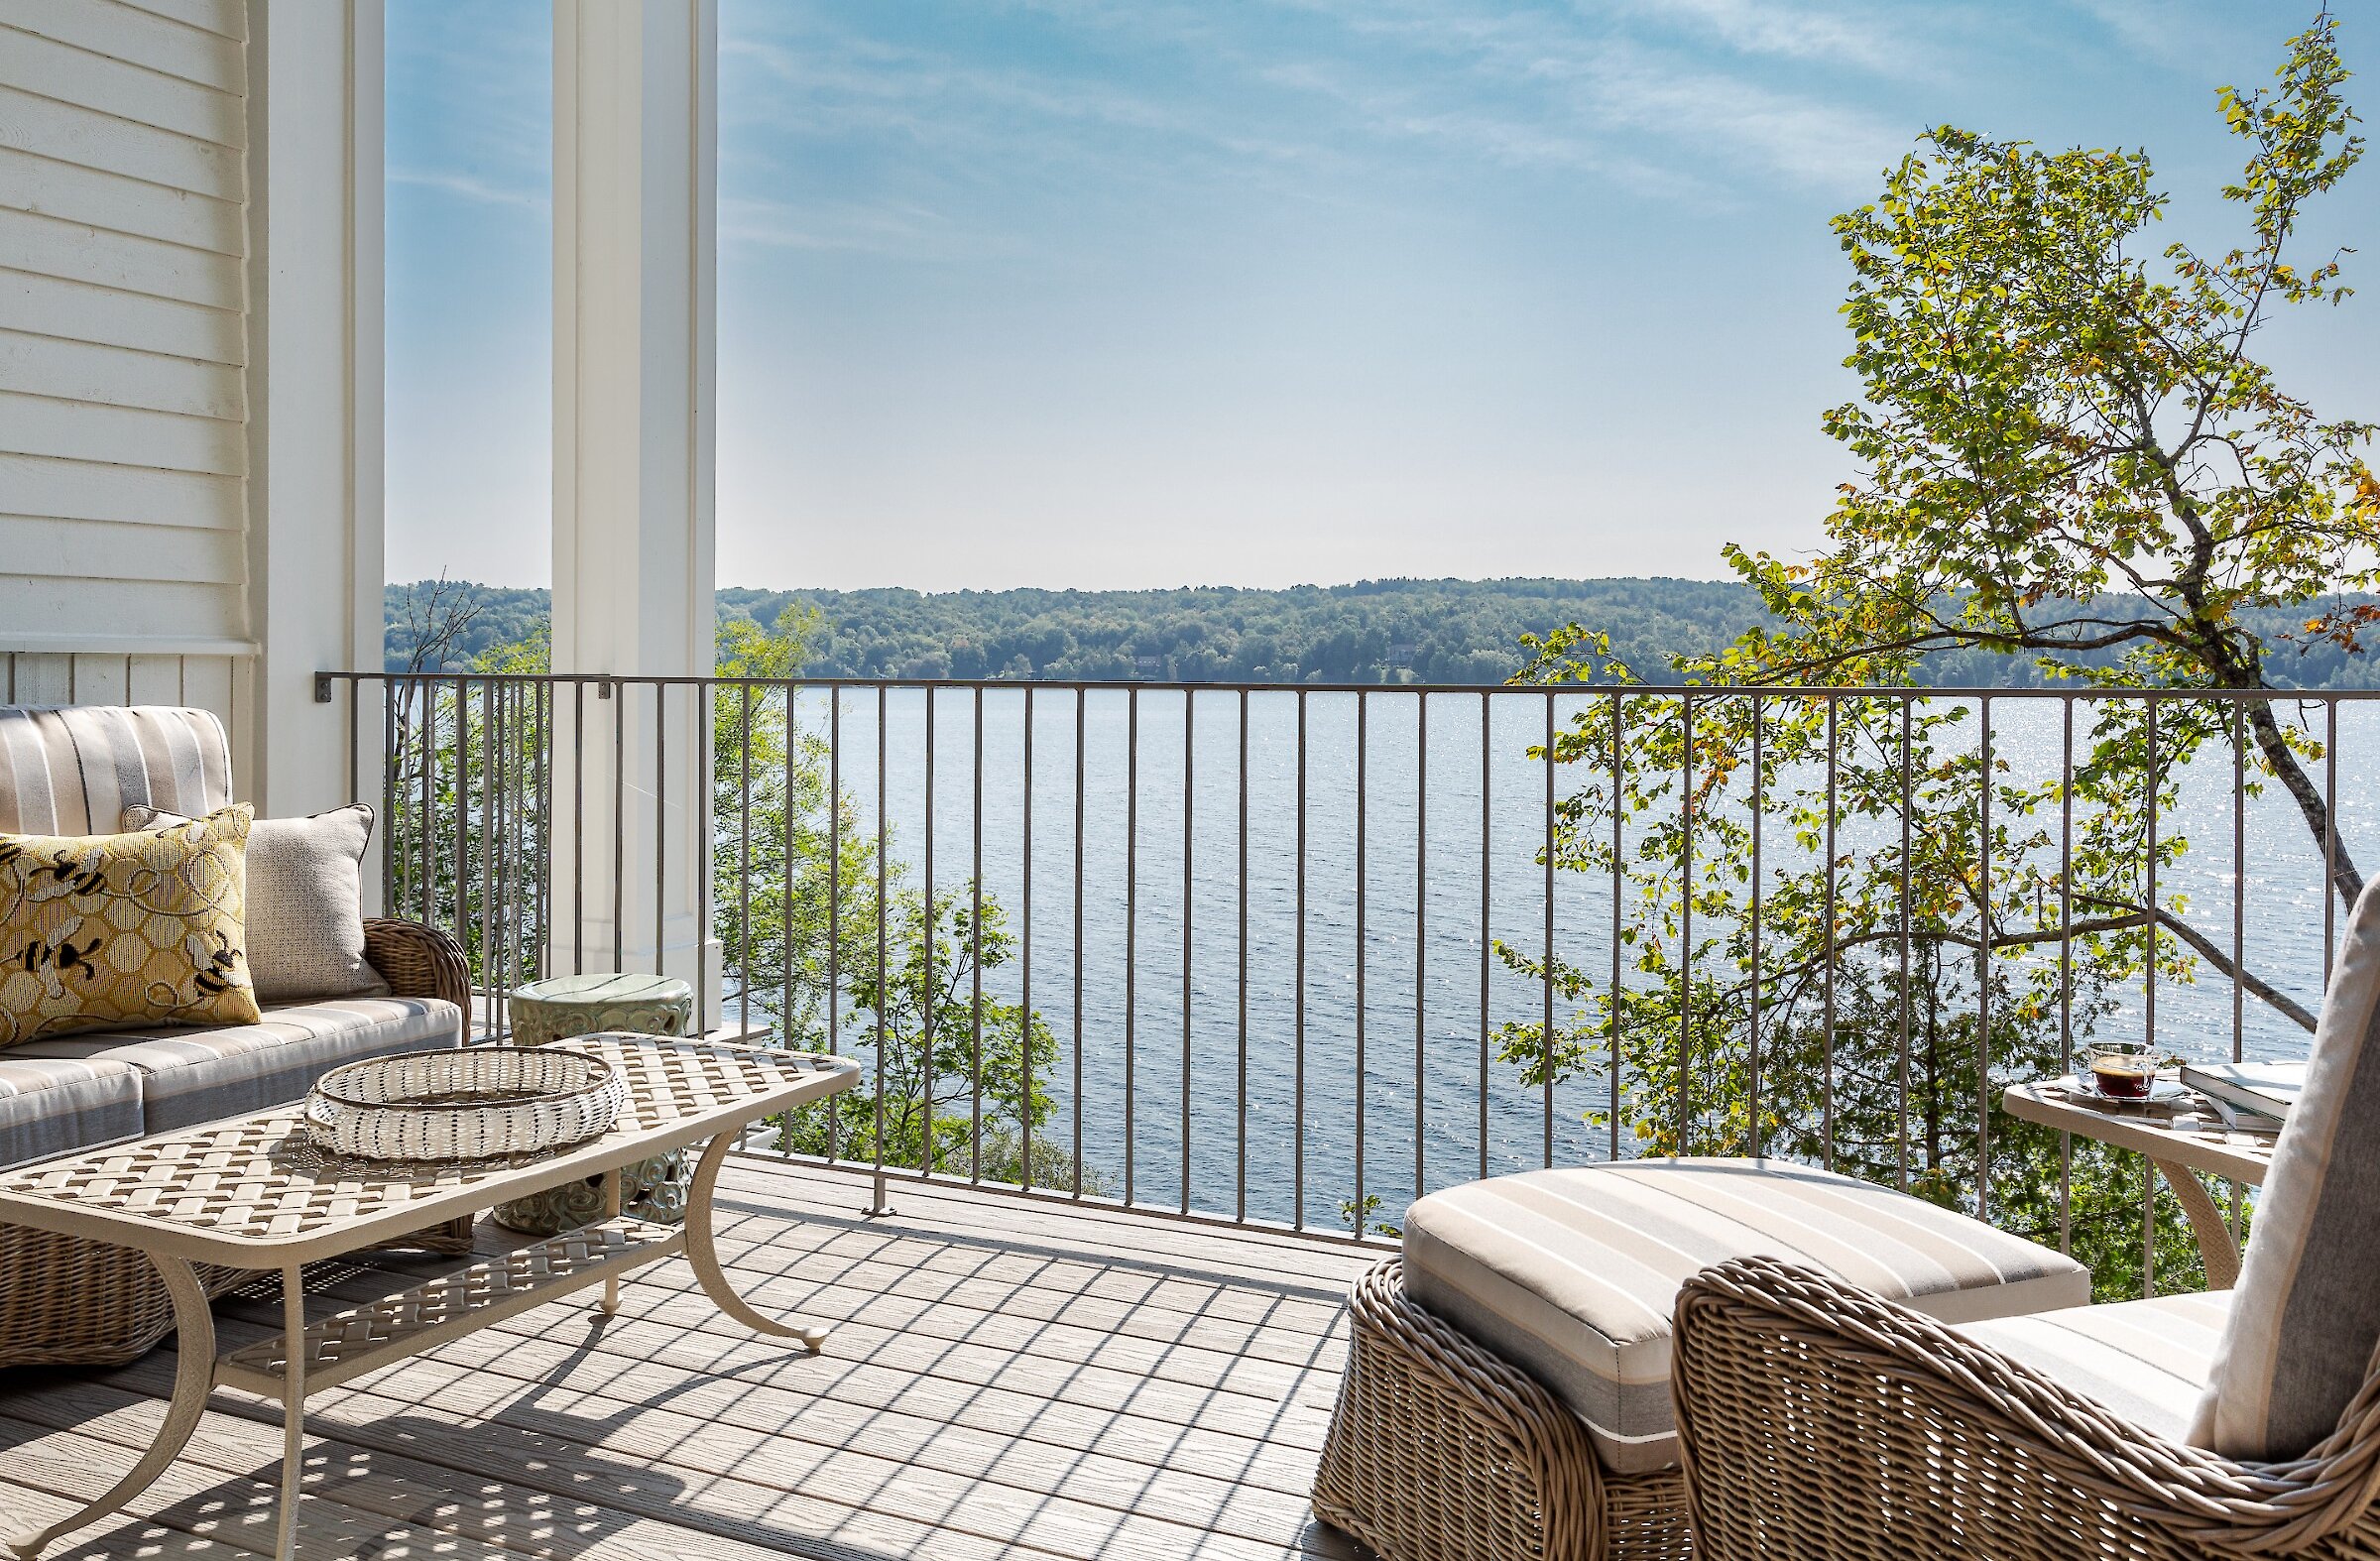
[{"x": 1374, "y": 632}]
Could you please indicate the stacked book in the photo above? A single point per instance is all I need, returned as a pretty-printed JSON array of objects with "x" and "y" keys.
[{"x": 2255, "y": 1096}]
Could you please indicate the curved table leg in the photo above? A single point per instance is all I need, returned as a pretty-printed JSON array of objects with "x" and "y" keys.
[
  {"x": 193, "y": 1375},
  {"x": 2206, "y": 1222},
  {"x": 703, "y": 1253}
]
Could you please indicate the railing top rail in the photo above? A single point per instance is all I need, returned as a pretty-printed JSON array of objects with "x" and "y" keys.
[{"x": 1698, "y": 691}]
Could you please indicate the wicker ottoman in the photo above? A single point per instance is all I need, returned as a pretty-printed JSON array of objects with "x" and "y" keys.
[
  {"x": 544, "y": 1011},
  {"x": 1507, "y": 1383}
]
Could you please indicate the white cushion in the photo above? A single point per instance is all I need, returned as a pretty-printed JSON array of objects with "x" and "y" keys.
[
  {"x": 2301, "y": 1332},
  {"x": 2146, "y": 1361},
  {"x": 305, "y": 917}
]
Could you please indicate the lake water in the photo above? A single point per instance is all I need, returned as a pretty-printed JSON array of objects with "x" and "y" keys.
[{"x": 1392, "y": 1055}]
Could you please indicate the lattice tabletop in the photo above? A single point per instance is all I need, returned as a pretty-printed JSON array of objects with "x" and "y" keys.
[{"x": 254, "y": 1192}]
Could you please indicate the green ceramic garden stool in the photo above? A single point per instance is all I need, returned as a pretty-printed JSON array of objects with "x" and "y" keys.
[{"x": 544, "y": 1011}]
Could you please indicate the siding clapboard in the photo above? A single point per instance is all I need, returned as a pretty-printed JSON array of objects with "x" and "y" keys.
[{"x": 123, "y": 341}]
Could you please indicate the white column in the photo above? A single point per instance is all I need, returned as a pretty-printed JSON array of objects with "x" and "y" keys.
[
  {"x": 634, "y": 203},
  {"x": 314, "y": 369}
]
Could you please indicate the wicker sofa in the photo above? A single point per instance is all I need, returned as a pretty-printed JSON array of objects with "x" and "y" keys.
[{"x": 65, "y": 1301}]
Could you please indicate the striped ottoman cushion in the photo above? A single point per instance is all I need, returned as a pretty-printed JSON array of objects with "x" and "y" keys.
[
  {"x": 1573, "y": 1274},
  {"x": 2146, "y": 1361}
]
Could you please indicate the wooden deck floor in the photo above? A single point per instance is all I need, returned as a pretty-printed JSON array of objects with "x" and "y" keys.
[{"x": 1004, "y": 1379}]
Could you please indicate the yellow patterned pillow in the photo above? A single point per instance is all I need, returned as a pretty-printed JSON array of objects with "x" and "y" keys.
[{"x": 121, "y": 929}]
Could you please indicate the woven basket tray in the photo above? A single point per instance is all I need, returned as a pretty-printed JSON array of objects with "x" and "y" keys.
[{"x": 478, "y": 1103}]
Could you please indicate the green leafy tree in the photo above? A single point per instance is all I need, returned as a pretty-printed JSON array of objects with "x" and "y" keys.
[
  {"x": 957, "y": 1067},
  {"x": 2068, "y": 452},
  {"x": 786, "y": 865}
]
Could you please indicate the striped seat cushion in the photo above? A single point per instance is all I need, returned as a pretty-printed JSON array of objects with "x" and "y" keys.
[
  {"x": 73, "y": 771},
  {"x": 51, "y": 1105},
  {"x": 2304, "y": 1332},
  {"x": 189, "y": 1075},
  {"x": 1573, "y": 1274},
  {"x": 2146, "y": 1361}
]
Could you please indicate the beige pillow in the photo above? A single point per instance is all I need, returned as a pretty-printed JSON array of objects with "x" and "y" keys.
[
  {"x": 305, "y": 915},
  {"x": 104, "y": 930}
]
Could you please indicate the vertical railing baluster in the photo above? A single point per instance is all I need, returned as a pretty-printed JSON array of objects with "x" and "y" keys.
[
  {"x": 1421, "y": 938},
  {"x": 1834, "y": 934},
  {"x": 1298, "y": 1107},
  {"x": 1983, "y": 936},
  {"x": 1686, "y": 812},
  {"x": 2239, "y": 912},
  {"x": 1613, "y": 1084},
  {"x": 834, "y": 897},
  {"x": 425, "y": 834},
  {"x": 1545, "y": 1039},
  {"x": 543, "y": 949},
  {"x": 1908, "y": 798},
  {"x": 2066, "y": 962},
  {"x": 975, "y": 954},
  {"x": 878, "y": 1204},
  {"x": 578, "y": 826},
  {"x": 2148, "y": 1173},
  {"x": 2149, "y": 1015},
  {"x": 491, "y": 866},
  {"x": 660, "y": 837},
  {"x": 1759, "y": 1131},
  {"x": 1240, "y": 1175},
  {"x": 1081, "y": 769},
  {"x": 1132, "y": 923},
  {"x": 2329, "y": 838},
  {"x": 1362, "y": 951},
  {"x": 744, "y": 694},
  {"x": 1024, "y": 1036},
  {"x": 702, "y": 833},
  {"x": 1486, "y": 901},
  {"x": 928, "y": 1149},
  {"x": 462, "y": 842},
  {"x": 1189, "y": 905},
  {"x": 618, "y": 693},
  {"x": 392, "y": 887}
]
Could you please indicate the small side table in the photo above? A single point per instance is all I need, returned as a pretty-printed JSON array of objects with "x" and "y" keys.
[
  {"x": 564, "y": 1007},
  {"x": 2178, "y": 1140}
]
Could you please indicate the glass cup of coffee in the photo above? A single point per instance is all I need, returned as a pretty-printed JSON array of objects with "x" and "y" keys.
[{"x": 2123, "y": 1070}]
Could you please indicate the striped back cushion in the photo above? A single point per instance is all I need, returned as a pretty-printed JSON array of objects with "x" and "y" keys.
[
  {"x": 2306, "y": 1315},
  {"x": 73, "y": 771}
]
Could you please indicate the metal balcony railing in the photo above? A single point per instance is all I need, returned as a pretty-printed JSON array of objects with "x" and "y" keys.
[{"x": 1291, "y": 955}]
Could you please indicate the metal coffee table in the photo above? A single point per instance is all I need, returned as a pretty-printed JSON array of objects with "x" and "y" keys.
[{"x": 250, "y": 1192}]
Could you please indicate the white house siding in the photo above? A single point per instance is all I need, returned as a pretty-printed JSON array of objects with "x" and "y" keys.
[{"x": 124, "y": 297}]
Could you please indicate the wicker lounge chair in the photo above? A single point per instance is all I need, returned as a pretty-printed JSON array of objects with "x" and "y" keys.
[
  {"x": 1823, "y": 1423},
  {"x": 1507, "y": 1394},
  {"x": 1820, "y": 1422}
]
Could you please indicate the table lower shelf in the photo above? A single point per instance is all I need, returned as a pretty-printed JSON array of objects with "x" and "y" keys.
[{"x": 350, "y": 1344}]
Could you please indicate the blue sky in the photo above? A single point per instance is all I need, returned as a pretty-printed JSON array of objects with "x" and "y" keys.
[{"x": 1072, "y": 293}]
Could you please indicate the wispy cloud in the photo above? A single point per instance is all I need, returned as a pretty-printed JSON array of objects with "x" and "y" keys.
[
  {"x": 2167, "y": 34},
  {"x": 889, "y": 230},
  {"x": 471, "y": 187},
  {"x": 1782, "y": 30}
]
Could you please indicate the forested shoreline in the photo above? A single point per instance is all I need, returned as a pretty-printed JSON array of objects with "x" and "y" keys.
[{"x": 1373, "y": 632}]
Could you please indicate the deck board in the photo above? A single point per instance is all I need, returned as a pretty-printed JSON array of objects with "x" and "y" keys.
[{"x": 1005, "y": 1378}]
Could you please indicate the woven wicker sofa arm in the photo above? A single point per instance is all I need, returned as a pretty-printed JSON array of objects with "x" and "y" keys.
[
  {"x": 1819, "y": 1420},
  {"x": 418, "y": 962}
]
